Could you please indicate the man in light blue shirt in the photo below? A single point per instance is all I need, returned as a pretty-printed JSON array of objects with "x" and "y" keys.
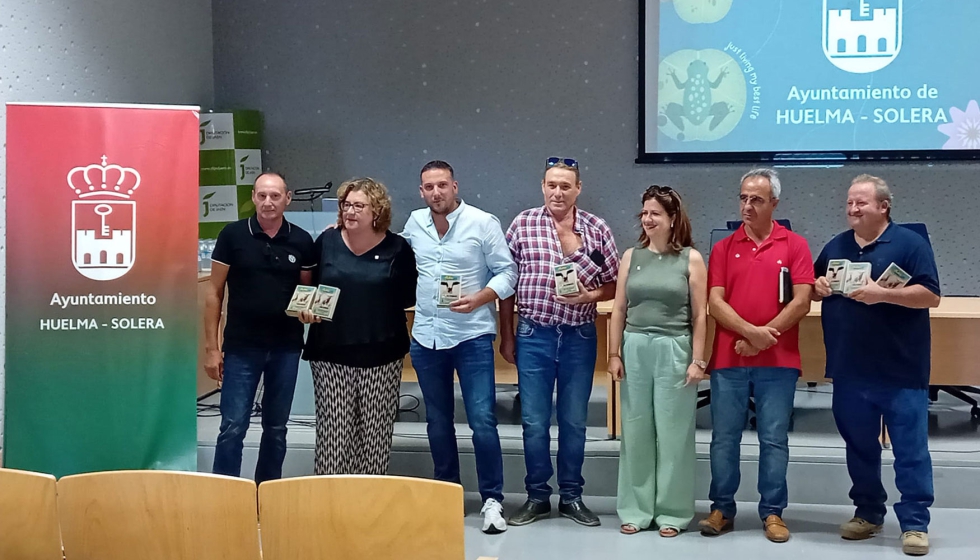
[{"x": 464, "y": 266}]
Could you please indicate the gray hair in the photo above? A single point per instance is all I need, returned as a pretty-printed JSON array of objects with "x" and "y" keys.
[
  {"x": 769, "y": 174},
  {"x": 882, "y": 192}
]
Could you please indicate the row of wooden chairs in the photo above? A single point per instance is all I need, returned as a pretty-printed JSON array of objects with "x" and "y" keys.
[{"x": 162, "y": 515}]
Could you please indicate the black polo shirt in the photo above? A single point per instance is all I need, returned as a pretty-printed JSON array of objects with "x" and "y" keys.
[
  {"x": 880, "y": 344},
  {"x": 262, "y": 274}
]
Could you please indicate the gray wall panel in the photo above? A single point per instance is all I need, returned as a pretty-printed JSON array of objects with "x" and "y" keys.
[{"x": 379, "y": 87}]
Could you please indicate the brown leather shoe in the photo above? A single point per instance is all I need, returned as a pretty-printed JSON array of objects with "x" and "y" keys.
[
  {"x": 776, "y": 530},
  {"x": 716, "y": 524}
]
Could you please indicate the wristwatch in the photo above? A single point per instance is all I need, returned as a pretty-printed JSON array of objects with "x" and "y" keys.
[{"x": 700, "y": 363}]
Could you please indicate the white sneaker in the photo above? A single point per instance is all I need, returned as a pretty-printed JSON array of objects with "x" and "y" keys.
[{"x": 493, "y": 517}]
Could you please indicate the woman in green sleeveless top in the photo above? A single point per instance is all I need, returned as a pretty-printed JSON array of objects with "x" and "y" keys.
[{"x": 659, "y": 323}]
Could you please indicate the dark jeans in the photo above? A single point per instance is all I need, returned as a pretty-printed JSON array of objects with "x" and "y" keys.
[
  {"x": 548, "y": 356},
  {"x": 243, "y": 368},
  {"x": 472, "y": 360},
  {"x": 773, "y": 389},
  {"x": 858, "y": 410}
]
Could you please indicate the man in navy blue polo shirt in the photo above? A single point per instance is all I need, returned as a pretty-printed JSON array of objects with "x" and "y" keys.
[
  {"x": 878, "y": 354},
  {"x": 262, "y": 259}
]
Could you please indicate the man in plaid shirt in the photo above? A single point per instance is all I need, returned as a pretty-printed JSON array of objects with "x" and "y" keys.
[{"x": 556, "y": 335}]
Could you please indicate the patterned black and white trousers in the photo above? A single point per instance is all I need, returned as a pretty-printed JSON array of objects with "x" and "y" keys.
[{"x": 355, "y": 416}]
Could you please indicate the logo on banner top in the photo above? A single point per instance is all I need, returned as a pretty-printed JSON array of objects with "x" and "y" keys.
[
  {"x": 216, "y": 132},
  {"x": 218, "y": 204},
  {"x": 863, "y": 41},
  {"x": 248, "y": 166},
  {"x": 103, "y": 220}
]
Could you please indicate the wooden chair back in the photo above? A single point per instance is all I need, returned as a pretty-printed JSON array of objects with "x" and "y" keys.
[
  {"x": 361, "y": 518},
  {"x": 28, "y": 516},
  {"x": 158, "y": 515}
]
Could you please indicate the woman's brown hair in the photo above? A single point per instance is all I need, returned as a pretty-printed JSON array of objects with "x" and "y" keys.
[
  {"x": 377, "y": 194},
  {"x": 680, "y": 231}
]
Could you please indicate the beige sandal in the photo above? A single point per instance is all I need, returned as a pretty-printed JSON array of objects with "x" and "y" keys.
[
  {"x": 669, "y": 532},
  {"x": 629, "y": 529}
]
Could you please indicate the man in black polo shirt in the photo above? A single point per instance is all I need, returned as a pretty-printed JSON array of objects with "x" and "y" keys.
[
  {"x": 878, "y": 354},
  {"x": 262, "y": 259}
]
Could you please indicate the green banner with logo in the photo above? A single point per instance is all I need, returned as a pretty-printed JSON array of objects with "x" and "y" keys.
[
  {"x": 231, "y": 159},
  {"x": 102, "y": 317}
]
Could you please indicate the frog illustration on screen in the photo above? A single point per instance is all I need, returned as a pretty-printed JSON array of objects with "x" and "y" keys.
[{"x": 697, "y": 105}]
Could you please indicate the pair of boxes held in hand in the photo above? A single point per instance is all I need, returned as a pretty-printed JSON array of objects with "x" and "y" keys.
[
  {"x": 450, "y": 285},
  {"x": 320, "y": 300},
  {"x": 846, "y": 276}
]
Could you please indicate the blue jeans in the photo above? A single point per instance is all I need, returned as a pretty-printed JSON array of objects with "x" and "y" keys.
[
  {"x": 546, "y": 356},
  {"x": 858, "y": 411},
  {"x": 243, "y": 368},
  {"x": 773, "y": 389},
  {"x": 473, "y": 362}
]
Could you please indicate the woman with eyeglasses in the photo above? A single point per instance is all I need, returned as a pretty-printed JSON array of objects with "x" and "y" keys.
[
  {"x": 357, "y": 355},
  {"x": 658, "y": 330}
]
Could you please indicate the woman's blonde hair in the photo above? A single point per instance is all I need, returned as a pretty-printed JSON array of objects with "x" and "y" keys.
[{"x": 377, "y": 194}]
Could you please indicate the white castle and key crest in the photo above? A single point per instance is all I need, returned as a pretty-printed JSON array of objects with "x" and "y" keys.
[
  {"x": 103, "y": 221},
  {"x": 863, "y": 41}
]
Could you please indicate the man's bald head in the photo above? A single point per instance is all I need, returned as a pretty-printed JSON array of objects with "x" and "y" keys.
[{"x": 270, "y": 179}]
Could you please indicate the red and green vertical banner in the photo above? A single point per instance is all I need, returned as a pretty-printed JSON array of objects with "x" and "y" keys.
[{"x": 102, "y": 312}]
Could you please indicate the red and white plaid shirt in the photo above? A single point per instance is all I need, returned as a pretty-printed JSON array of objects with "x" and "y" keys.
[{"x": 533, "y": 240}]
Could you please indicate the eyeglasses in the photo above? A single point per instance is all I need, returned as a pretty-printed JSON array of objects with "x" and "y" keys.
[
  {"x": 553, "y": 161},
  {"x": 661, "y": 190},
  {"x": 357, "y": 207},
  {"x": 752, "y": 200}
]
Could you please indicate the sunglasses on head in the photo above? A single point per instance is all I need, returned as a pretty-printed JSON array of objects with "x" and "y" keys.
[
  {"x": 660, "y": 190},
  {"x": 553, "y": 161}
]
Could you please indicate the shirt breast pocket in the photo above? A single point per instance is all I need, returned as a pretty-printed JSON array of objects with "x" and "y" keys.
[
  {"x": 765, "y": 267},
  {"x": 463, "y": 252},
  {"x": 778, "y": 259},
  {"x": 595, "y": 259},
  {"x": 589, "y": 278}
]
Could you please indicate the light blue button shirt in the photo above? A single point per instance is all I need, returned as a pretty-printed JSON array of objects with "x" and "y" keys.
[{"x": 474, "y": 248}]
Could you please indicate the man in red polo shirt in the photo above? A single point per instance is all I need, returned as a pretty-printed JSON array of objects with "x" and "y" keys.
[{"x": 760, "y": 279}]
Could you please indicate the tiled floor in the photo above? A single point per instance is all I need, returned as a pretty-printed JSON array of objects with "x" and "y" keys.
[
  {"x": 817, "y": 476},
  {"x": 953, "y": 535}
]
